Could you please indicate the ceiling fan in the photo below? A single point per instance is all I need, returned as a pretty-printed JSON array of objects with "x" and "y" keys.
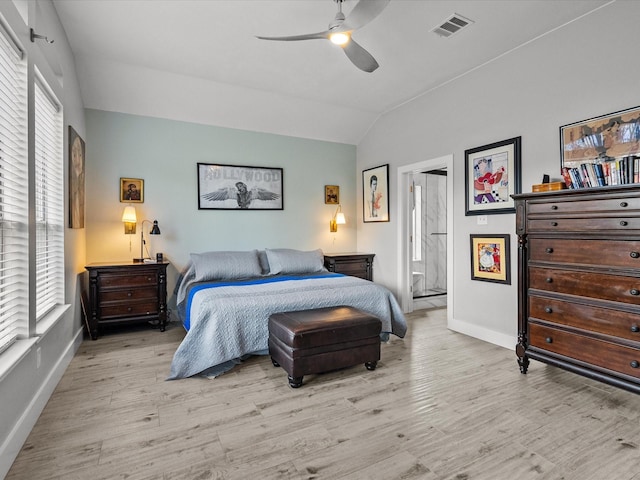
[{"x": 341, "y": 28}]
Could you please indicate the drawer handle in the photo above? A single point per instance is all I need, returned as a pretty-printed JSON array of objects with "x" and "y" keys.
[
  {"x": 633, "y": 291},
  {"x": 129, "y": 309},
  {"x": 554, "y": 224},
  {"x": 548, "y": 310},
  {"x": 548, "y": 340},
  {"x": 624, "y": 204},
  {"x": 550, "y": 250},
  {"x": 624, "y": 223},
  {"x": 554, "y": 207},
  {"x": 634, "y": 254},
  {"x": 634, "y": 364},
  {"x": 635, "y": 328},
  {"x": 548, "y": 280},
  {"x": 129, "y": 294},
  {"x": 149, "y": 279}
]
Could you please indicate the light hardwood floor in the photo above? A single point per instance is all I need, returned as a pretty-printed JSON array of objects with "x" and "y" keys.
[{"x": 441, "y": 405}]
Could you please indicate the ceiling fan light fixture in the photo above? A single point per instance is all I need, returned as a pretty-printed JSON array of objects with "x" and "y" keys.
[{"x": 340, "y": 38}]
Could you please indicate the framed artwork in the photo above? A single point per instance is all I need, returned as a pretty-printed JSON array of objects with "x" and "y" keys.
[
  {"x": 375, "y": 194},
  {"x": 332, "y": 194},
  {"x": 132, "y": 190},
  {"x": 490, "y": 259},
  {"x": 600, "y": 139},
  {"x": 234, "y": 187},
  {"x": 492, "y": 175},
  {"x": 76, "y": 179}
]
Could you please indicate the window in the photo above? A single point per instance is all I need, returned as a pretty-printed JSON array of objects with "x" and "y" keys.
[
  {"x": 49, "y": 204},
  {"x": 14, "y": 254}
]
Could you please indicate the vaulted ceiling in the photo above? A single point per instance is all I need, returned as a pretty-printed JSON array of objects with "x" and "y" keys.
[{"x": 213, "y": 41}]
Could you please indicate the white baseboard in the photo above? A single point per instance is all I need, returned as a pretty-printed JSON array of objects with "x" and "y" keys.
[
  {"x": 481, "y": 333},
  {"x": 14, "y": 441}
]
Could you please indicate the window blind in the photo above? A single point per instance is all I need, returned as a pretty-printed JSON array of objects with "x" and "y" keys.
[
  {"x": 49, "y": 201},
  {"x": 14, "y": 254}
]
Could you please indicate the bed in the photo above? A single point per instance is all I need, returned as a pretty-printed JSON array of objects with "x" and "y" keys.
[{"x": 224, "y": 300}]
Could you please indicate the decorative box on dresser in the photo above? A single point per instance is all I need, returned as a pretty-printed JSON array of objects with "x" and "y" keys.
[
  {"x": 126, "y": 292},
  {"x": 353, "y": 264},
  {"x": 579, "y": 282}
]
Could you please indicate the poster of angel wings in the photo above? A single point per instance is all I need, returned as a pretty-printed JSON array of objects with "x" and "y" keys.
[{"x": 233, "y": 187}]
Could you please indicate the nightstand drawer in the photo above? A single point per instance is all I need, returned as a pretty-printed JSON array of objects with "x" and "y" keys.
[
  {"x": 150, "y": 293},
  {"x": 121, "y": 310},
  {"x": 108, "y": 280},
  {"x": 353, "y": 264}
]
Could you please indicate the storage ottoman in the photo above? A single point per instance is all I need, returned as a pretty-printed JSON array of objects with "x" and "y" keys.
[{"x": 323, "y": 339}]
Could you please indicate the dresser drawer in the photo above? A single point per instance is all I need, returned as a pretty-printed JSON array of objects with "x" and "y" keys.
[
  {"x": 150, "y": 293},
  {"x": 616, "y": 323},
  {"x": 586, "y": 284},
  {"x": 613, "y": 253},
  {"x": 123, "y": 310},
  {"x": 620, "y": 204},
  {"x": 567, "y": 224},
  {"x": 109, "y": 280},
  {"x": 611, "y": 356}
]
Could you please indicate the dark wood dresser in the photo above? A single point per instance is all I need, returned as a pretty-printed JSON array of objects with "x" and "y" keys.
[
  {"x": 126, "y": 292},
  {"x": 354, "y": 264},
  {"x": 579, "y": 282}
]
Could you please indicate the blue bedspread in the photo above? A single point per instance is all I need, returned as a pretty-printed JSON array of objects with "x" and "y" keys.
[{"x": 226, "y": 321}]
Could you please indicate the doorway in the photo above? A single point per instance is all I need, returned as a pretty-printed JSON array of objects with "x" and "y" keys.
[
  {"x": 428, "y": 238},
  {"x": 405, "y": 205}
]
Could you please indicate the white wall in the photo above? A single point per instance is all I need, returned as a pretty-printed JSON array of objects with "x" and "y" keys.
[
  {"x": 165, "y": 153},
  {"x": 584, "y": 69},
  {"x": 24, "y": 388}
]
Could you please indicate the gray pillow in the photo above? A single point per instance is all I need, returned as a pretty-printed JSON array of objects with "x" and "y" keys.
[
  {"x": 226, "y": 265},
  {"x": 286, "y": 260}
]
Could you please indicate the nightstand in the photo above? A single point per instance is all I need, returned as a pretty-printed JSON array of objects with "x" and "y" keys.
[
  {"x": 126, "y": 292},
  {"x": 354, "y": 264}
]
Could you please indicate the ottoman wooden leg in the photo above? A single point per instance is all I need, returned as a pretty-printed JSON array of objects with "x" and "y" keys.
[
  {"x": 371, "y": 365},
  {"x": 295, "y": 382}
]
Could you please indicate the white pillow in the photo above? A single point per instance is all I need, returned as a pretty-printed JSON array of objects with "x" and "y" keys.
[
  {"x": 286, "y": 260},
  {"x": 226, "y": 265}
]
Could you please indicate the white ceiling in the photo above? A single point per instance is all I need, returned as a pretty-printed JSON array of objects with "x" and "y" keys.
[{"x": 214, "y": 41}]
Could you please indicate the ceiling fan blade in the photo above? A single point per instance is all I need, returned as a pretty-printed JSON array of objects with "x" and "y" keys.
[
  {"x": 360, "y": 57},
  {"x": 308, "y": 36},
  {"x": 363, "y": 13}
]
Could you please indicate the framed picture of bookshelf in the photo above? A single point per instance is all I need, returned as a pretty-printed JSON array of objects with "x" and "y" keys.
[{"x": 601, "y": 151}]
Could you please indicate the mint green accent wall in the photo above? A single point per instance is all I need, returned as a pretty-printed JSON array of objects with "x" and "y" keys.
[{"x": 164, "y": 153}]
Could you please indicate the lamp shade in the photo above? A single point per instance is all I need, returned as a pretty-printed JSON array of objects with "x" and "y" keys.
[
  {"x": 129, "y": 214},
  {"x": 340, "y": 220}
]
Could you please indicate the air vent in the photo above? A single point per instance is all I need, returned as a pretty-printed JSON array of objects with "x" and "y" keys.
[{"x": 452, "y": 25}]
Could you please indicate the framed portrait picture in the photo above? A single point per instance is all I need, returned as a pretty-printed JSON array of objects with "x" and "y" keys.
[
  {"x": 600, "y": 139},
  {"x": 375, "y": 194},
  {"x": 132, "y": 190},
  {"x": 76, "y": 179},
  {"x": 235, "y": 187},
  {"x": 492, "y": 175},
  {"x": 490, "y": 259},
  {"x": 332, "y": 194}
]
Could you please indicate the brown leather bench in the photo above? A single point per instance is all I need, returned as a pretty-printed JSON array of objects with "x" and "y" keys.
[{"x": 323, "y": 339}]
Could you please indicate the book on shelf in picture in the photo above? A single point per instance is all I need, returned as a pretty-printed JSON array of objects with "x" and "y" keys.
[{"x": 602, "y": 173}]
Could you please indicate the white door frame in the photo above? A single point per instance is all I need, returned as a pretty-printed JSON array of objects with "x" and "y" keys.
[{"x": 405, "y": 280}]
